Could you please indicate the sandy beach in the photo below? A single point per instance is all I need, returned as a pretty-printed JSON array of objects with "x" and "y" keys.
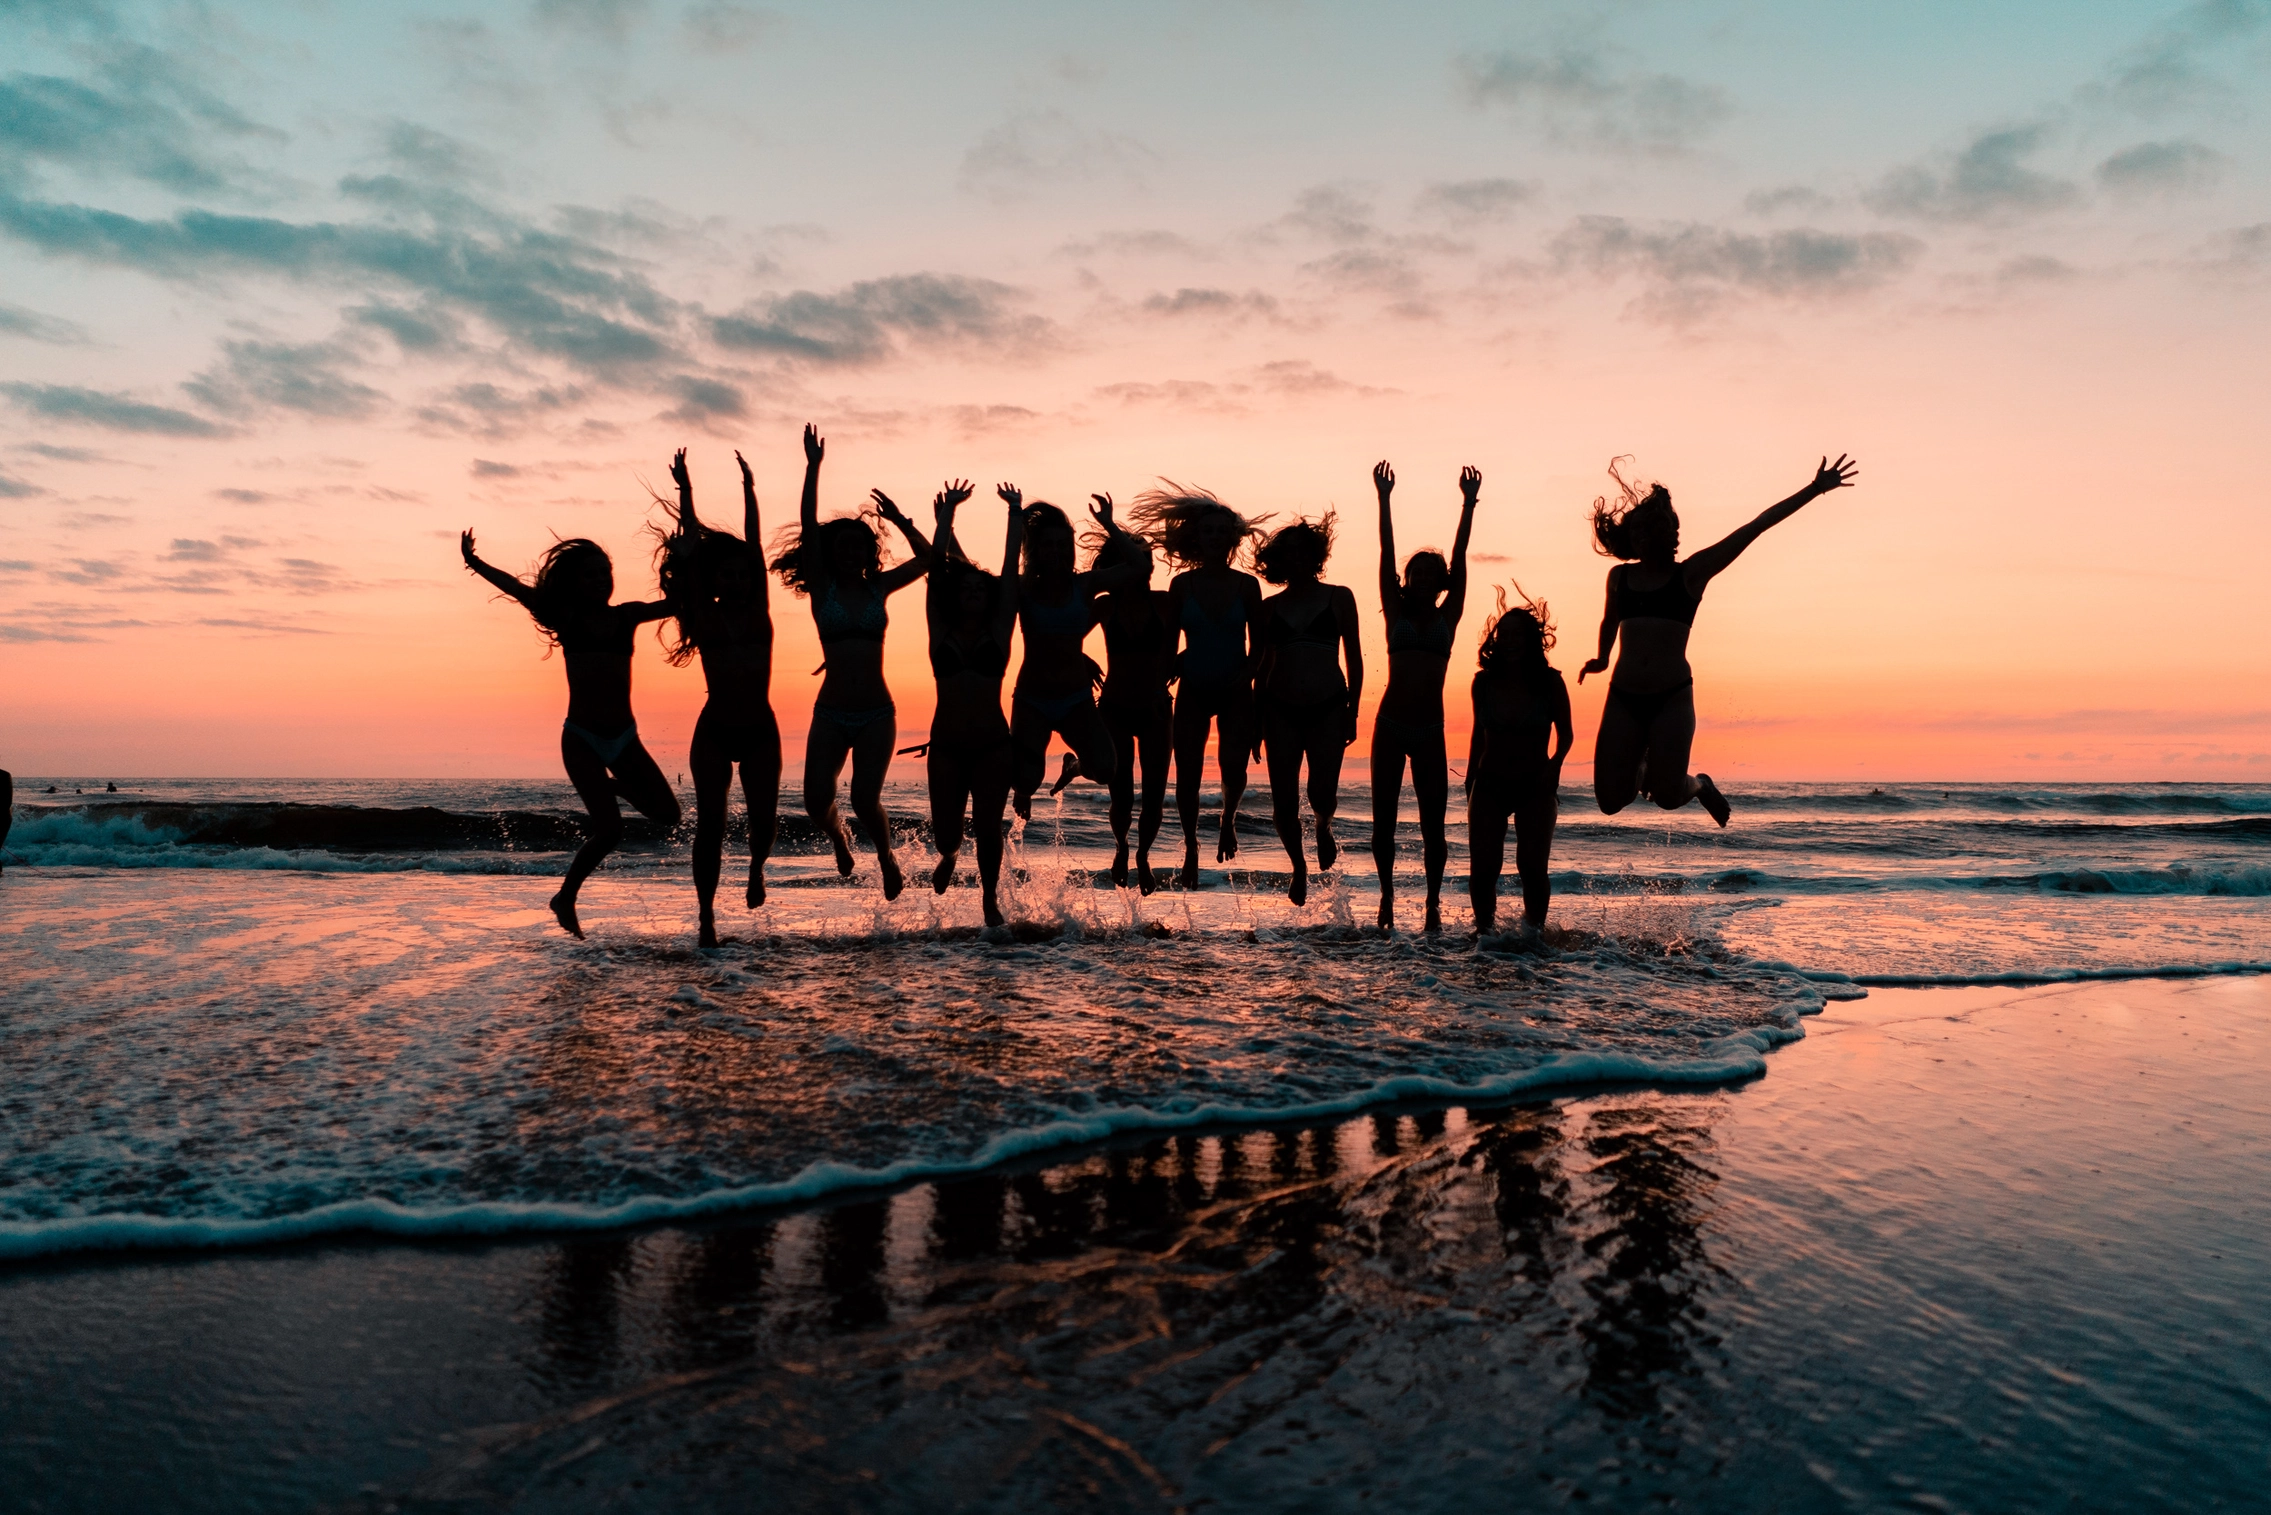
[{"x": 1959, "y": 1248}]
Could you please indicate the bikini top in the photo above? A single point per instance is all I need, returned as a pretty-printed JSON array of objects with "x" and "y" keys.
[
  {"x": 608, "y": 634},
  {"x": 949, "y": 658},
  {"x": 1214, "y": 644},
  {"x": 1321, "y": 630},
  {"x": 1069, "y": 619},
  {"x": 1407, "y": 635},
  {"x": 1669, "y": 601},
  {"x": 863, "y": 620}
]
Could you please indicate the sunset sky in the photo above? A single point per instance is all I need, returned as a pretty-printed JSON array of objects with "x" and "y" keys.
[{"x": 291, "y": 294}]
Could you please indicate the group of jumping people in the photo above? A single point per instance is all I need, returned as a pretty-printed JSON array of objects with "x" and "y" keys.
[{"x": 1281, "y": 675}]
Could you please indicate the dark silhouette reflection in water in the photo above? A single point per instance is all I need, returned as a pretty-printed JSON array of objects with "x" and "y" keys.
[{"x": 1238, "y": 1317}]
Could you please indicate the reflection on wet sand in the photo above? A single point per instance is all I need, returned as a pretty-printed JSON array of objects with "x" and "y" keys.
[{"x": 1232, "y": 1317}]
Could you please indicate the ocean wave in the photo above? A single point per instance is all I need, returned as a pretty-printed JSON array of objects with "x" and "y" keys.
[
  {"x": 1730, "y": 1059},
  {"x": 2022, "y": 977}
]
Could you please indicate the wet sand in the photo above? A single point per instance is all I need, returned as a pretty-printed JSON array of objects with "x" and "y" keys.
[{"x": 1960, "y": 1248}]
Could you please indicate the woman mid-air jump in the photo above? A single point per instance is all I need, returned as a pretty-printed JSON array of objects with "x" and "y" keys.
[
  {"x": 1519, "y": 700},
  {"x": 1423, "y": 610},
  {"x": 838, "y": 566},
  {"x": 715, "y": 585},
  {"x": 1056, "y": 608},
  {"x": 1217, "y": 609},
  {"x": 1307, "y": 705},
  {"x": 1648, "y": 724},
  {"x": 599, "y": 740},
  {"x": 1138, "y": 711},
  {"x": 971, "y": 614}
]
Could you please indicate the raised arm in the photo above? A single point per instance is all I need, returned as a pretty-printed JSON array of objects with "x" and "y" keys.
[
  {"x": 502, "y": 580},
  {"x": 1609, "y": 621},
  {"x": 1470, "y": 490},
  {"x": 942, "y": 525},
  {"x": 808, "y": 507},
  {"x": 897, "y": 578},
  {"x": 1391, "y": 592},
  {"x": 1012, "y": 543},
  {"x": 685, "y": 483},
  {"x": 1119, "y": 575},
  {"x": 756, "y": 542},
  {"x": 1714, "y": 559}
]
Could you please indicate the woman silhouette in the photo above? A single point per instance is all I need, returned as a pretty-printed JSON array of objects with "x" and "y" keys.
[
  {"x": 599, "y": 740},
  {"x": 1648, "y": 723},
  {"x": 1307, "y": 707},
  {"x": 1056, "y": 607},
  {"x": 1216, "y": 608},
  {"x": 971, "y": 614},
  {"x": 1519, "y": 698},
  {"x": 838, "y": 566},
  {"x": 714, "y": 583},
  {"x": 1422, "y": 610},
  {"x": 1139, "y": 664}
]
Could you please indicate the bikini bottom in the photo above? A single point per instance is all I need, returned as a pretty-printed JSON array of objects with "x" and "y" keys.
[
  {"x": 1644, "y": 708},
  {"x": 1412, "y": 736},
  {"x": 739, "y": 741},
  {"x": 852, "y": 722},
  {"x": 609, "y": 748}
]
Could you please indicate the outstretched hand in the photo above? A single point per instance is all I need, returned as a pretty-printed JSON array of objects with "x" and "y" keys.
[
  {"x": 1470, "y": 484},
  {"x": 1837, "y": 475},
  {"x": 678, "y": 473},
  {"x": 952, "y": 493},
  {"x": 814, "y": 446},
  {"x": 465, "y": 547},
  {"x": 1596, "y": 665},
  {"x": 884, "y": 506},
  {"x": 1101, "y": 508},
  {"x": 748, "y": 479},
  {"x": 1383, "y": 477},
  {"x": 1011, "y": 496}
]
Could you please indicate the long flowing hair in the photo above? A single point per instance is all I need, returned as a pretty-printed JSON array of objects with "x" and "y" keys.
[
  {"x": 686, "y": 565},
  {"x": 1613, "y": 532},
  {"x": 789, "y": 555},
  {"x": 1298, "y": 548},
  {"x": 1173, "y": 515},
  {"x": 1516, "y": 639},
  {"x": 548, "y": 585}
]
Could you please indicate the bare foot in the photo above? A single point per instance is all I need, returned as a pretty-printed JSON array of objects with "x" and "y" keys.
[
  {"x": 1298, "y": 890},
  {"x": 1708, "y": 795},
  {"x": 1434, "y": 926},
  {"x": 754, "y": 898},
  {"x": 841, "y": 840},
  {"x": 893, "y": 879},
  {"x": 942, "y": 875},
  {"x": 1387, "y": 913},
  {"x": 1022, "y": 803},
  {"x": 1226, "y": 840},
  {"x": 994, "y": 917},
  {"x": 1328, "y": 850},
  {"x": 1120, "y": 864},
  {"x": 564, "y": 911},
  {"x": 1191, "y": 866},
  {"x": 707, "y": 934},
  {"x": 1146, "y": 880},
  {"x": 1486, "y": 924},
  {"x": 1066, "y": 774}
]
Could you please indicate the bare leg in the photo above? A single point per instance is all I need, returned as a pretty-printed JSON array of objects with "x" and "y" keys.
[
  {"x": 826, "y": 747},
  {"x": 1618, "y": 751},
  {"x": 1533, "y": 851},
  {"x": 1431, "y": 783},
  {"x": 1233, "y": 750},
  {"x": 949, "y": 796},
  {"x": 1123, "y": 789},
  {"x": 1670, "y": 739},
  {"x": 1387, "y": 793},
  {"x": 1192, "y": 715},
  {"x": 1326, "y": 749},
  {"x": 989, "y": 794},
  {"x": 636, "y": 778},
  {"x": 761, "y": 794},
  {"x": 871, "y": 759},
  {"x": 1486, "y": 853},
  {"x": 713, "y": 790},
  {"x": 1155, "y": 746},
  {"x": 1282, "y": 743}
]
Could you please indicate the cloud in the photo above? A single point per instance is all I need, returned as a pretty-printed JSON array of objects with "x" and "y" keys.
[
  {"x": 1188, "y": 301},
  {"x": 2163, "y": 74},
  {"x": 1471, "y": 200},
  {"x": 483, "y": 468},
  {"x": 1331, "y": 213},
  {"x": 1038, "y": 149},
  {"x": 866, "y": 322},
  {"x": 270, "y": 628},
  {"x": 975, "y": 420},
  {"x": 701, "y": 401},
  {"x": 1136, "y": 244},
  {"x": 1691, "y": 267},
  {"x": 19, "y": 322},
  {"x": 255, "y": 376},
  {"x": 13, "y": 488},
  {"x": 1576, "y": 99},
  {"x": 2160, "y": 168},
  {"x": 608, "y": 19},
  {"x": 2244, "y": 250},
  {"x": 192, "y": 550},
  {"x": 117, "y": 412},
  {"x": 717, "y": 26},
  {"x": 2035, "y": 268},
  {"x": 243, "y": 496},
  {"x": 63, "y": 454},
  {"x": 135, "y": 116},
  {"x": 1295, "y": 376},
  {"x": 88, "y": 571},
  {"x": 9, "y": 633},
  {"x": 1985, "y": 182},
  {"x": 1788, "y": 197},
  {"x": 483, "y": 409}
]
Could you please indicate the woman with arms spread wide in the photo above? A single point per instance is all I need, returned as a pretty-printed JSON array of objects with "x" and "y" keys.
[
  {"x": 838, "y": 566},
  {"x": 972, "y": 614},
  {"x": 715, "y": 585},
  {"x": 1648, "y": 724},
  {"x": 1423, "y": 610},
  {"x": 599, "y": 741}
]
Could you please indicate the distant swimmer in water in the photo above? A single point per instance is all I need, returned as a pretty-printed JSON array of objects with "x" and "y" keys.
[
  {"x": 717, "y": 590},
  {"x": 1056, "y": 680},
  {"x": 838, "y": 566},
  {"x": 1422, "y": 609},
  {"x": 1139, "y": 664},
  {"x": 1216, "y": 608},
  {"x": 1520, "y": 701},
  {"x": 599, "y": 741},
  {"x": 1309, "y": 630},
  {"x": 1648, "y": 724},
  {"x": 972, "y": 614}
]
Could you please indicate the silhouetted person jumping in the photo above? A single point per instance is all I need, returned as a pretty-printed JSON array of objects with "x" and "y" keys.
[
  {"x": 1422, "y": 610},
  {"x": 715, "y": 585},
  {"x": 1519, "y": 702},
  {"x": 838, "y": 566},
  {"x": 972, "y": 614},
  {"x": 599, "y": 740},
  {"x": 1217, "y": 609},
  {"x": 1648, "y": 724},
  {"x": 1308, "y": 707},
  {"x": 1056, "y": 681},
  {"x": 1138, "y": 711}
]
